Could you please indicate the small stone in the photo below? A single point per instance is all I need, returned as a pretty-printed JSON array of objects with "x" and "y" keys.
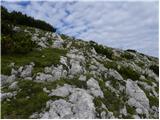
[
  {"x": 139, "y": 111},
  {"x": 13, "y": 85},
  {"x": 82, "y": 78}
]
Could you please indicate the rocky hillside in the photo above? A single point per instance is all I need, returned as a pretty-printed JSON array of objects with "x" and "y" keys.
[{"x": 68, "y": 78}]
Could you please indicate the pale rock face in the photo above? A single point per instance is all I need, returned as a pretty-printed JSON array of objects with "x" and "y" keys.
[
  {"x": 80, "y": 58},
  {"x": 11, "y": 79},
  {"x": 76, "y": 68},
  {"x": 45, "y": 90},
  {"x": 14, "y": 72},
  {"x": 58, "y": 72},
  {"x": 80, "y": 105},
  {"x": 3, "y": 79},
  {"x": 124, "y": 111},
  {"x": 58, "y": 44},
  {"x": 151, "y": 74},
  {"x": 83, "y": 106},
  {"x": 63, "y": 60},
  {"x": 62, "y": 91},
  {"x": 137, "y": 98},
  {"x": 93, "y": 51},
  {"x": 82, "y": 78},
  {"x": 13, "y": 85},
  {"x": 27, "y": 71},
  {"x": 93, "y": 67},
  {"x": 113, "y": 73},
  {"x": 8, "y": 95},
  {"x": 47, "y": 70},
  {"x": 94, "y": 87},
  {"x": 41, "y": 77}
]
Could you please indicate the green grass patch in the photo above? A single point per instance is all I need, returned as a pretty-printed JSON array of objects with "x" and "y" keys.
[
  {"x": 51, "y": 56},
  {"x": 131, "y": 110},
  {"x": 128, "y": 72},
  {"x": 23, "y": 107},
  {"x": 127, "y": 56}
]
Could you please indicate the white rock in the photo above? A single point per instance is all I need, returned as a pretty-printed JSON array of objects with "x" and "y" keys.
[
  {"x": 94, "y": 87},
  {"x": 139, "y": 111},
  {"x": 47, "y": 69},
  {"x": 11, "y": 79},
  {"x": 8, "y": 95},
  {"x": 137, "y": 98},
  {"x": 76, "y": 68},
  {"x": 63, "y": 60},
  {"x": 113, "y": 73},
  {"x": 41, "y": 77},
  {"x": 82, "y": 78},
  {"x": 4, "y": 79},
  {"x": 45, "y": 90},
  {"x": 58, "y": 44},
  {"x": 13, "y": 85},
  {"x": 62, "y": 91},
  {"x": 27, "y": 71},
  {"x": 80, "y": 105},
  {"x": 14, "y": 72}
]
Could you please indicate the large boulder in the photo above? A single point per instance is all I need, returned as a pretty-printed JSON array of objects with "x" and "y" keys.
[
  {"x": 41, "y": 77},
  {"x": 94, "y": 87},
  {"x": 137, "y": 96},
  {"x": 113, "y": 73},
  {"x": 27, "y": 70},
  {"x": 79, "y": 105}
]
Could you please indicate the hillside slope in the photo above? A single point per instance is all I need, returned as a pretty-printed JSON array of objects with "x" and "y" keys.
[{"x": 68, "y": 78}]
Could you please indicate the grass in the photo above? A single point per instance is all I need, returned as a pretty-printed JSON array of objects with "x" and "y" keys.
[
  {"x": 127, "y": 56},
  {"x": 110, "y": 64},
  {"x": 111, "y": 100},
  {"x": 153, "y": 101},
  {"x": 128, "y": 72},
  {"x": 131, "y": 110},
  {"x": 52, "y": 56},
  {"x": 21, "y": 107}
]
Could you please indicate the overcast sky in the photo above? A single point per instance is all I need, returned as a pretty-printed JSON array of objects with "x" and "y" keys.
[{"x": 123, "y": 24}]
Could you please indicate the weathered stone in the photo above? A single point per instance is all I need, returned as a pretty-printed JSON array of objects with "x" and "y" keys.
[
  {"x": 94, "y": 87},
  {"x": 82, "y": 78},
  {"x": 137, "y": 98},
  {"x": 27, "y": 71},
  {"x": 113, "y": 73},
  {"x": 62, "y": 91},
  {"x": 41, "y": 77},
  {"x": 13, "y": 85}
]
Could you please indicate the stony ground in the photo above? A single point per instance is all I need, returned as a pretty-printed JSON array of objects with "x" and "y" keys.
[{"x": 68, "y": 78}]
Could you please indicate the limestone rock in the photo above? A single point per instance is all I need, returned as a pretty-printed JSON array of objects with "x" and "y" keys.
[
  {"x": 41, "y": 77},
  {"x": 94, "y": 87},
  {"x": 137, "y": 98}
]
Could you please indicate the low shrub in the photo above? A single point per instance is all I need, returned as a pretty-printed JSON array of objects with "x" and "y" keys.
[
  {"x": 128, "y": 72},
  {"x": 127, "y": 55},
  {"x": 102, "y": 50},
  {"x": 155, "y": 69},
  {"x": 18, "y": 43}
]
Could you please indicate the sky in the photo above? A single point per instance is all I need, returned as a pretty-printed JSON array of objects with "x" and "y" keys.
[{"x": 124, "y": 24}]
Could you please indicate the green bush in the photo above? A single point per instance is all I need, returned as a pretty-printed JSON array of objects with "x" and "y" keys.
[
  {"x": 6, "y": 44},
  {"x": 102, "y": 50},
  {"x": 19, "y": 43},
  {"x": 130, "y": 50},
  {"x": 127, "y": 55},
  {"x": 23, "y": 107},
  {"x": 22, "y": 43},
  {"x": 128, "y": 72},
  {"x": 155, "y": 69}
]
